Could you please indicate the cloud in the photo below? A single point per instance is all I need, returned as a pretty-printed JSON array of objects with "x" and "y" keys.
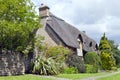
[{"x": 93, "y": 16}]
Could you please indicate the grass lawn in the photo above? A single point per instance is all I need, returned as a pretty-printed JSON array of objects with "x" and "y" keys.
[
  {"x": 23, "y": 77},
  {"x": 37, "y": 77},
  {"x": 80, "y": 76},
  {"x": 68, "y": 76},
  {"x": 114, "y": 77}
]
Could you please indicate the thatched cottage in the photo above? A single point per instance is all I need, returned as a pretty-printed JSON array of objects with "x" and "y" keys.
[{"x": 58, "y": 32}]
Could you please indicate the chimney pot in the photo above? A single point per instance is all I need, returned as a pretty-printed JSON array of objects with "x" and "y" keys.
[
  {"x": 42, "y": 4},
  {"x": 44, "y": 11},
  {"x": 84, "y": 32}
]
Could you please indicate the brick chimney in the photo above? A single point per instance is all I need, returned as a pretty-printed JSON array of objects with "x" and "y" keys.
[{"x": 44, "y": 11}]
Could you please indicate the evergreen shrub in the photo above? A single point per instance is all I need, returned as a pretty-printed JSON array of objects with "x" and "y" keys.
[
  {"x": 75, "y": 61},
  {"x": 107, "y": 62},
  {"x": 90, "y": 68},
  {"x": 58, "y": 53},
  {"x": 93, "y": 59}
]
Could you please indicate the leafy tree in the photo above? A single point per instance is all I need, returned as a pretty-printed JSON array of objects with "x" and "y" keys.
[
  {"x": 107, "y": 62},
  {"x": 116, "y": 51},
  {"x": 107, "y": 58},
  {"x": 18, "y": 23},
  {"x": 104, "y": 45}
]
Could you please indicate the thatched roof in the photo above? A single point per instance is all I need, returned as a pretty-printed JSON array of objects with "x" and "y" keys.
[{"x": 69, "y": 34}]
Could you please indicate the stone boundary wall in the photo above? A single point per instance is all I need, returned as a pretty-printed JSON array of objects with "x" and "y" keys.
[{"x": 12, "y": 63}]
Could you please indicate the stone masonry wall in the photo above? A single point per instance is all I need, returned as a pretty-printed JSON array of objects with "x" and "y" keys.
[{"x": 12, "y": 63}]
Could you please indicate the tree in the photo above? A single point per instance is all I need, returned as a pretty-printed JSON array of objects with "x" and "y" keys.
[
  {"x": 104, "y": 45},
  {"x": 106, "y": 55},
  {"x": 115, "y": 51},
  {"x": 18, "y": 23}
]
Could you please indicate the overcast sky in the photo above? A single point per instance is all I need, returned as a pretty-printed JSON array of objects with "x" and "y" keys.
[{"x": 93, "y": 16}]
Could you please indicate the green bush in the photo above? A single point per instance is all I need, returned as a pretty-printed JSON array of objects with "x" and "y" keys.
[
  {"x": 92, "y": 58},
  {"x": 70, "y": 70},
  {"x": 58, "y": 53},
  {"x": 45, "y": 66},
  {"x": 75, "y": 61},
  {"x": 114, "y": 68},
  {"x": 90, "y": 68},
  {"x": 107, "y": 61}
]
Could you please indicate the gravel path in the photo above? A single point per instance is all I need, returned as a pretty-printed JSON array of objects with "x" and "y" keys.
[
  {"x": 55, "y": 78},
  {"x": 52, "y": 77},
  {"x": 107, "y": 75}
]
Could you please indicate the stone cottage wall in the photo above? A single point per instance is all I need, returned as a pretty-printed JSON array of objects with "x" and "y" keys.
[{"x": 12, "y": 63}]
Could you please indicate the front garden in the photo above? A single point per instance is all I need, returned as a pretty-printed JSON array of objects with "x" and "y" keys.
[
  {"x": 18, "y": 25},
  {"x": 64, "y": 76}
]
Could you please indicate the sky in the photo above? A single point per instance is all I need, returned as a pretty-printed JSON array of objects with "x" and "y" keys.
[{"x": 92, "y": 16}]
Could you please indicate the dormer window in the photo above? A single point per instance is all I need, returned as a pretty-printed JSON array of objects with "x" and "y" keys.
[
  {"x": 96, "y": 46},
  {"x": 90, "y": 45}
]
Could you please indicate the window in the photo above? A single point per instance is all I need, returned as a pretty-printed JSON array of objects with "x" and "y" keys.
[{"x": 90, "y": 45}]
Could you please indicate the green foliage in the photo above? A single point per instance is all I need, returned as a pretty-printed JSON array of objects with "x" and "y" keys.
[
  {"x": 107, "y": 62},
  {"x": 117, "y": 57},
  {"x": 91, "y": 68},
  {"x": 39, "y": 43},
  {"x": 104, "y": 45},
  {"x": 115, "y": 51},
  {"x": 45, "y": 66},
  {"x": 75, "y": 61},
  {"x": 27, "y": 49},
  {"x": 92, "y": 59},
  {"x": 58, "y": 53},
  {"x": 70, "y": 70},
  {"x": 18, "y": 23},
  {"x": 107, "y": 58}
]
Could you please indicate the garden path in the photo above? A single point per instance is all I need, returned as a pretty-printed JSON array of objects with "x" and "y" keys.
[
  {"x": 55, "y": 78},
  {"x": 102, "y": 76}
]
